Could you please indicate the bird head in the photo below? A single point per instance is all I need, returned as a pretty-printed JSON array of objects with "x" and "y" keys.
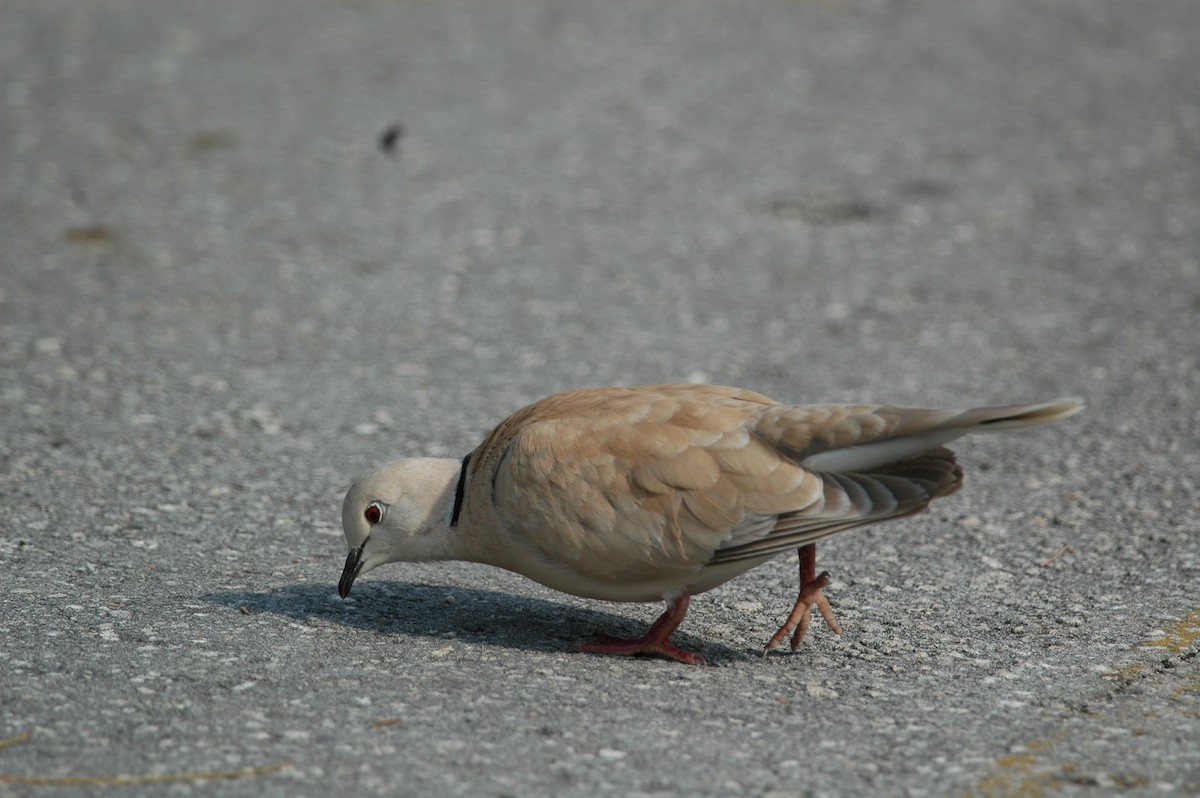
[{"x": 400, "y": 512}]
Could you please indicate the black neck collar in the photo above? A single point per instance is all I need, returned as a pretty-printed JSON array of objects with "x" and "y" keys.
[{"x": 459, "y": 491}]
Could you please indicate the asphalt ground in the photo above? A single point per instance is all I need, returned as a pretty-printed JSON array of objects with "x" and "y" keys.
[{"x": 249, "y": 250}]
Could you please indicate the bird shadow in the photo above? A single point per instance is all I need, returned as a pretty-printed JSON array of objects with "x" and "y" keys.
[{"x": 486, "y": 617}]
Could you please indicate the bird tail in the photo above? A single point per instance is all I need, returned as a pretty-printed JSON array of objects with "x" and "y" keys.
[
  {"x": 915, "y": 431},
  {"x": 1009, "y": 417}
]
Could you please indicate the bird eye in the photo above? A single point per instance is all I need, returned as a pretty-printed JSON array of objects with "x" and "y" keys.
[{"x": 373, "y": 513}]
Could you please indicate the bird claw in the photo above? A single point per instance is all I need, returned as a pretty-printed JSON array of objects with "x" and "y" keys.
[
  {"x": 800, "y": 617},
  {"x": 656, "y": 641},
  {"x": 627, "y": 646}
]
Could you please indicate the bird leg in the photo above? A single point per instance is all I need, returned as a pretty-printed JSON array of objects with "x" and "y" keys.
[
  {"x": 656, "y": 641},
  {"x": 810, "y": 593}
]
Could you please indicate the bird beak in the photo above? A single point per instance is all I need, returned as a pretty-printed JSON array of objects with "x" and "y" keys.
[{"x": 350, "y": 572}]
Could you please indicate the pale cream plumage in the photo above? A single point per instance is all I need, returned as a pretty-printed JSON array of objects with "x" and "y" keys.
[{"x": 661, "y": 492}]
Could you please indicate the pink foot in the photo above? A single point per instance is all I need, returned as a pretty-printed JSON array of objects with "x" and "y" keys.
[
  {"x": 655, "y": 642},
  {"x": 800, "y": 617}
]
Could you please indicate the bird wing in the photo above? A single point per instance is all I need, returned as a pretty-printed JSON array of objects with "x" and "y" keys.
[
  {"x": 849, "y": 500},
  {"x": 875, "y": 463},
  {"x": 634, "y": 484}
]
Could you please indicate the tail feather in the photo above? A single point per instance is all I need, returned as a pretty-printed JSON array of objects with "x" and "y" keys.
[
  {"x": 925, "y": 429},
  {"x": 998, "y": 419}
]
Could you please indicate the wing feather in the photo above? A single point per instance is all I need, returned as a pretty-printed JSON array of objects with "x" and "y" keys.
[{"x": 853, "y": 500}]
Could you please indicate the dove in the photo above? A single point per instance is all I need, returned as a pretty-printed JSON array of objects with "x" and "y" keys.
[{"x": 661, "y": 492}]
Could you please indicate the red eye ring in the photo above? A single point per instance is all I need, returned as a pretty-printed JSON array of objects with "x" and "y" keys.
[{"x": 373, "y": 513}]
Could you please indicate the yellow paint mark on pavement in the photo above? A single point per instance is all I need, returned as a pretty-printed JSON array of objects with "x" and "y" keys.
[
  {"x": 1026, "y": 775},
  {"x": 1181, "y": 635},
  {"x": 20, "y": 738},
  {"x": 1128, "y": 672},
  {"x": 135, "y": 778},
  {"x": 1019, "y": 776}
]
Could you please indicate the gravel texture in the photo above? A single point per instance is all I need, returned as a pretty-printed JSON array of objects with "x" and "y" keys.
[{"x": 249, "y": 250}]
